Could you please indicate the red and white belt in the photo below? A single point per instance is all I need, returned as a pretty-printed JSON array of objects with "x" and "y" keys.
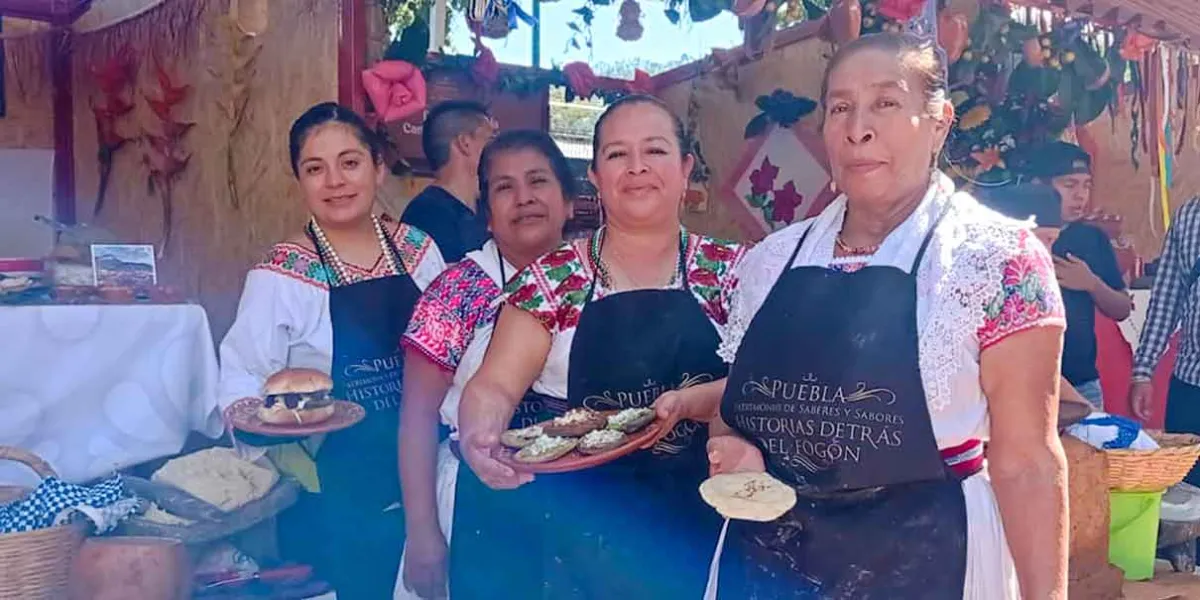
[{"x": 965, "y": 459}]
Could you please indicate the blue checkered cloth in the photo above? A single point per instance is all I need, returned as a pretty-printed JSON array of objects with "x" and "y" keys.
[{"x": 54, "y": 502}]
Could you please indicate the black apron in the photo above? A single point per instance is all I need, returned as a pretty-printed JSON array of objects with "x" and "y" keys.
[
  {"x": 486, "y": 520},
  {"x": 636, "y": 527},
  {"x": 827, "y": 384},
  {"x": 358, "y": 467}
]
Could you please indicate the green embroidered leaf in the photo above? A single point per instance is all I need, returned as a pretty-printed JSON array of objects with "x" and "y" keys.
[
  {"x": 575, "y": 298},
  {"x": 560, "y": 272}
]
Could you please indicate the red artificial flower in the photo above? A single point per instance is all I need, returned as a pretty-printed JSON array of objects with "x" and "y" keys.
[
  {"x": 786, "y": 202},
  {"x": 901, "y": 10},
  {"x": 716, "y": 252},
  {"x": 580, "y": 78},
  {"x": 485, "y": 69},
  {"x": 762, "y": 179}
]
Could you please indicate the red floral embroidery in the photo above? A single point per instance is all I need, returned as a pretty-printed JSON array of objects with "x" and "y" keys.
[
  {"x": 573, "y": 283},
  {"x": 717, "y": 252},
  {"x": 559, "y": 258},
  {"x": 569, "y": 316},
  {"x": 704, "y": 278},
  {"x": 1027, "y": 296},
  {"x": 524, "y": 294}
]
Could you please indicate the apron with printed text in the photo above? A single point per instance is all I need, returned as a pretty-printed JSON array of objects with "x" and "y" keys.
[
  {"x": 636, "y": 527},
  {"x": 486, "y": 520},
  {"x": 827, "y": 384},
  {"x": 358, "y": 467}
]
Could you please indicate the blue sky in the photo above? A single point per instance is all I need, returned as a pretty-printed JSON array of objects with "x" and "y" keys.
[{"x": 661, "y": 42}]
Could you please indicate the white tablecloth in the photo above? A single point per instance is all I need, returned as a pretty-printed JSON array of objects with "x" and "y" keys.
[{"x": 92, "y": 389}]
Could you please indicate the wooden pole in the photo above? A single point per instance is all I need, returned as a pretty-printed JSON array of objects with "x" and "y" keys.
[
  {"x": 59, "y": 48},
  {"x": 537, "y": 34},
  {"x": 352, "y": 54}
]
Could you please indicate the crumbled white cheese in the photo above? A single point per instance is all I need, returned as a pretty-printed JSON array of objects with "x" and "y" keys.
[
  {"x": 545, "y": 444},
  {"x": 627, "y": 416},
  {"x": 601, "y": 437},
  {"x": 532, "y": 431},
  {"x": 575, "y": 415}
]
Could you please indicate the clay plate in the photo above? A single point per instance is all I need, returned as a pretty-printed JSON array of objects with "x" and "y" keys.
[
  {"x": 575, "y": 461},
  {"x": 243, "y": 414}
]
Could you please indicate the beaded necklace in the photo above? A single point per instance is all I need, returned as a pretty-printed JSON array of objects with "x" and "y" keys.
[
  {"x": 597, "y": 242},
  {"x": 339, "y": 266}
]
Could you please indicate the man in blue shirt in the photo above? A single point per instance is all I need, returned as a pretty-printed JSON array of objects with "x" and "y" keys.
[
  {"x": 1084, "y": 261},
  {"x": 452, "y": 137}
]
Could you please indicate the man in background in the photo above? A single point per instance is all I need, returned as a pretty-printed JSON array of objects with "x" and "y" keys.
[
  {"x": 452, "y": 137},
  {"x": 1173, "y": 301},
  {"x": 1084, "y": 261}
]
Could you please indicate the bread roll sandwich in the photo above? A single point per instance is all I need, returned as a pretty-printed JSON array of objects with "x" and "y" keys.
[{"x": 297, "y": 397}]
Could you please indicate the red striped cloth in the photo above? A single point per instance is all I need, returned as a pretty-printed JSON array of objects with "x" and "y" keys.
[{"x": 965, "y": 459}]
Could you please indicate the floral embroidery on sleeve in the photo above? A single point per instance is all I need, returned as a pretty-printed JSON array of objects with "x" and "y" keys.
[
  {"x": 553, "y": 289},
  {"x": 710, "y": 274},
  {"x": 1028, "y": 295},
  {"x": 448, "y": 313}
]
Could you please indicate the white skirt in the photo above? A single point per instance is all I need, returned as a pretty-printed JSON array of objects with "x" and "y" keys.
[
  {"x": 990, "y": 574},
  {"x": 447, "y": 479}
]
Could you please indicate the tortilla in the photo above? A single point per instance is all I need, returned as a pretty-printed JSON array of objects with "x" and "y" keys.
[
  {"x": 631, "y": 420},
  {"x": 748, "y": 496},
  {"x": 601, "y": 440},
  {"x": 575, "y": 423}
]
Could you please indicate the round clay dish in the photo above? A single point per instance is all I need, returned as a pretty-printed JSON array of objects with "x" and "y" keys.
[
  {"x": 576, "y": 461},
  {"x": 243, "y": 414}
]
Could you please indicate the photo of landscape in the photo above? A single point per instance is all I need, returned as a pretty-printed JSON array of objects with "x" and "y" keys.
[{"x": 124, "y": 265}]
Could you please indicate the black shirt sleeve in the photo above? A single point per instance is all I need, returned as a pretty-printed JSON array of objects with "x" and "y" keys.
[
  {"x": 440, "y": 224},
  {"x": 1103, "y": 261}
]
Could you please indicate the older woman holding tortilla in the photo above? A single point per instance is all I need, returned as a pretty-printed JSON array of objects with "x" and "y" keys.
[
  {"x": 875, "y": 348},
  {"x": 621, "y": 320}
]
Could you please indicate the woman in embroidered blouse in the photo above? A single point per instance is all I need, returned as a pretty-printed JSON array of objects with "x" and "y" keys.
[
  {"x": 526, "y": 194},
  {"x": 616, "y": 321},
  {"x": 334, "y": 298},
  {"x": 875, "y": 348}
]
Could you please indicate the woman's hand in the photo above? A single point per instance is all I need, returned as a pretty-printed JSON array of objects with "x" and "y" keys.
[
  {"x": 425, "y": 564},
  {"x": 733, "y": 454},
  {"x": 479, "y": 449},
  {"x": 698, "y": 403}
]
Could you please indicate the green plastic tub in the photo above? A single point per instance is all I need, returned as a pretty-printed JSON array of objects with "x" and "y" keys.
[{"x": 1133, "y": 532}]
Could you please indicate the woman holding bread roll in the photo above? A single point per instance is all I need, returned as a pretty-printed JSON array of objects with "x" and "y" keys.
[
  {"x": 335, "y": 299},
  {"x": 526, "y": 195},
  {"x": 626, "y": 319}
]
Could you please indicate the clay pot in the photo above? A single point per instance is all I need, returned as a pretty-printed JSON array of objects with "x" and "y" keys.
[
  {"x": 120, "y": 568},
  {"x": 845, "y": 21}
]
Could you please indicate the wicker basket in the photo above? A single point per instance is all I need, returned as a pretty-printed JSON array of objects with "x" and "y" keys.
[
  {"x": 1153, "y": 470},
  {"x": 35, "y": 565}
]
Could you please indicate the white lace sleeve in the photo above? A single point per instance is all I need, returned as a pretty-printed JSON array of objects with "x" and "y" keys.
[{"x": 750, "y": 283}]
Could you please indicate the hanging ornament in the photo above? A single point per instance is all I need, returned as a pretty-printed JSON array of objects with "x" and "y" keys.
[
  {"x": 844, "y": 21},
  {"x": 630, "y": 27},
  {"x": 953, "y": 34},
  {"x": 748, "y": 8}
]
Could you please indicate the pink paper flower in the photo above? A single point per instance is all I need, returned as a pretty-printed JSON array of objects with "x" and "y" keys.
[
  {"x": 396, "y": 89},
  {"x": 901, "y": 10}
]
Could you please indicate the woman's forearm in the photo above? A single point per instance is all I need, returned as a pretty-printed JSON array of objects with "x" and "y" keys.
[
  {"x": 703, "y": 402},
  {"x": 1032, "y": 498},
  {"x": 424, "y": 388},
  {"x": 1115, "y": 304}
]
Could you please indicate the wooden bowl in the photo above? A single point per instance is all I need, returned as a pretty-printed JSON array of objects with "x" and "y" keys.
[{"x": 122, "y": 568}]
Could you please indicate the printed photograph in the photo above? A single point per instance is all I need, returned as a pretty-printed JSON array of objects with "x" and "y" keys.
[{"x": 124, "y": 265}]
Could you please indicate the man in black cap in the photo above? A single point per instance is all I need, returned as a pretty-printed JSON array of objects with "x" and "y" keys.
[
  {"x": 452, "y": 136},
  {"x": 1084, "y": 261},
  {"x": 1028, "y": 201}
]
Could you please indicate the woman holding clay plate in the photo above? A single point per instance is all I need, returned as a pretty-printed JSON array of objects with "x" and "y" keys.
[
  {"x": 335, "y": 298},
  {"x": 621, "y": 320},
  {"x": 875, "y": 348},
  {"x": 526, "y": 195}
]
